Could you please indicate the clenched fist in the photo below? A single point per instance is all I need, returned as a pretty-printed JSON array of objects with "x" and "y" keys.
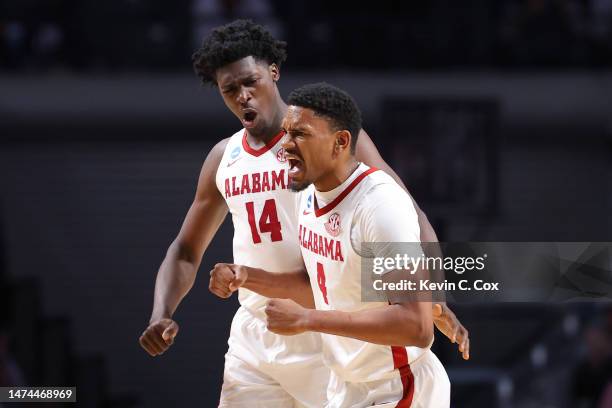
[
  {"x": 225, "y": 279},
  {"x": 159, "y": 336},
  {"x": 286, "y": 317}
]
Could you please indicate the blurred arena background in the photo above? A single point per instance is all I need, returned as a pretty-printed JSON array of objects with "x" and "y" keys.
[{"x": 497, "y": 114}]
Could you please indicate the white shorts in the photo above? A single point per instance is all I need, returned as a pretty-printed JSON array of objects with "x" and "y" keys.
[
  {"x": 267, "y": 370},
  {"x": 424, "y": 385}
]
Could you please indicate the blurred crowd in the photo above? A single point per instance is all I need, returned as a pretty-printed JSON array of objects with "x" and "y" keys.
[
  {"x": 592, "y": 376},
  {"x": 156, "y": 35}
]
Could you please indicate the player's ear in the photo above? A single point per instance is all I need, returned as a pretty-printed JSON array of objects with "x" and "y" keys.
[
  {"x": 274, "y": 72},
  {"x": 343, "y": 141}
]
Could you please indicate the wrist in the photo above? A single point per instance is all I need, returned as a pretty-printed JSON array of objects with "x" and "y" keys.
[
  {"x": 250, "y": 277},
  {"x": 157, "y": 316},
  {"x": 310, "y": 320}
]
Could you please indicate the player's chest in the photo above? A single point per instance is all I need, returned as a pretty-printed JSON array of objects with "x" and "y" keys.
[
  {"x": 332, "y": 264},
  {"x": 325, "y": 234},
  {"x": 245, "y": 177}
]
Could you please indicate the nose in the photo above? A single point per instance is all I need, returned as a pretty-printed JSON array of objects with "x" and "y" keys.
[
  {"x": 287, "y": 142},
  {"x": 244, "y": 95}
]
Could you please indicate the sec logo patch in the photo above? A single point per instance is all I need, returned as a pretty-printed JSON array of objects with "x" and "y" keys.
[
  {"x": 332, "y": 226},
  {"x": 280, "y": 155}
]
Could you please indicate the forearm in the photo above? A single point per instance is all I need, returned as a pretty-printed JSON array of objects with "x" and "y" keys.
[
  {"x": 286, "y": 285},
  {"x": 175, "y": 278},
  {"x": 392, "y": 325}
]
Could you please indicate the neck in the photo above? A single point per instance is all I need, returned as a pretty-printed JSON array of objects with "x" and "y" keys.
[
  {"x": 268, "y": 133},
  {"x": 337, "y": 175}
]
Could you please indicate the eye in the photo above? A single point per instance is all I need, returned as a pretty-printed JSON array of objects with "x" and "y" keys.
[
  {"x": 229, "y": 90},
  {"x": 250, "y": 82}
]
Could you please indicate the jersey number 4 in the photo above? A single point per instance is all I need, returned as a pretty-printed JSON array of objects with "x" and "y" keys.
[
  {"x": 321, "y": 281},
  {"x": 268, "y": 222}
]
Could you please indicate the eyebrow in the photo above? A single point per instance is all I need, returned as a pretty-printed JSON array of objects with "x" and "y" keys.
[
  {"x": 300, "y": 129},
  {"x": 226, "y": 87},
  {"x": 249, "y": 77}
]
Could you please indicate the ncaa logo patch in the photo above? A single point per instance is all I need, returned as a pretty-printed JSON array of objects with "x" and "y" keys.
[
  {"x": 332, "y": 226},
  {"x": 309, "y": 201},
  {"x": 280, "y": 155},
  {"x": 235, "y": 152}
]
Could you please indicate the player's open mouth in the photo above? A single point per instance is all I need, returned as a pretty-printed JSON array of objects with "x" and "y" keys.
[
  {"x": 296, "y": 166},
  {"x": 248, "y": 118}
]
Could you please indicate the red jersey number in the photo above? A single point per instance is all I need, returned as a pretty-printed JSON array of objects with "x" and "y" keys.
[
  {"x": 321, "y": 281},
  {"x": 268, "y": 221}
]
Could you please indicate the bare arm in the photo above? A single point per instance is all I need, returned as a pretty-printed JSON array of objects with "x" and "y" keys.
[
  {"x": 397, "y": 324},
  {"x": 444, "y": 318},
  {"x": 401, "y": 324},
  {"x": 225, "y": 279},
  {"x": 178, "y": 270}
]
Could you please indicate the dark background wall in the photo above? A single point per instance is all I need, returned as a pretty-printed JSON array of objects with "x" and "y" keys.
[{"x": 500, "y": 133}]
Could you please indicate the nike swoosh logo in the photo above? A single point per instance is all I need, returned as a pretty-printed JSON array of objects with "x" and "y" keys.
[
  {"x": 306, "y": 213},
  {"x": 232, "y": 163}
]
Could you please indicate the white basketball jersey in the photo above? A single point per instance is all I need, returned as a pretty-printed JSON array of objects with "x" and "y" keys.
[
  {"x": 254, "y": 183},
  {"x": 335, "y": 275}
]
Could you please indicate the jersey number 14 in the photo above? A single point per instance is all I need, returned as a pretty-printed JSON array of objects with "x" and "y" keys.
[{"x": 268, "y": 222}]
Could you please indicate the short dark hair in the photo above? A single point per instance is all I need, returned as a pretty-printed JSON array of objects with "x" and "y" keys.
[
  {"x": 333, "y": 103},
  {"x": 232, "y": 42}
]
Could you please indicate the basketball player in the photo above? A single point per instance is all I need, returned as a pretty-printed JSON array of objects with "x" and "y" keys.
[
  {"x": 247, "y": 174},
  {"x": 379, "y": 353}
]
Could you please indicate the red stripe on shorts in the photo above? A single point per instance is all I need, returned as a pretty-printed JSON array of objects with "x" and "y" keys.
[{"x": 400, "y": 362}]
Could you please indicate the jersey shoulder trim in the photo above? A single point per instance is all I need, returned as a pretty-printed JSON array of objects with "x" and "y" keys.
[
  {"x": 322, "y": 211},
  {"x": 261, "y": 150}
]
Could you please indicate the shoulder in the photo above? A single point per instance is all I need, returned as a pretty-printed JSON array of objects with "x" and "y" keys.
[
  {"x": 221, "y": 145},
  {"x": 227, "y": 147},
  {"x": 380, "y": 190},
  {"x": 216, "y": 153},
  {"x": 386, "y": 213}
]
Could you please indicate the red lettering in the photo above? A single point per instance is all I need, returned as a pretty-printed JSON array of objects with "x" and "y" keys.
[
  {"x": 265, "y": 182},
  {"x": 235, "y": 190},
  {"x": 278, "y": 179},
  {"x": 300, "y": 235},
  {"x": 338, "y": 255},
  {"x": 245, "y": 184},
  {"x": 227, "y": 189},
  {"x": 256, "y": 182},
  {"x": 329, "y": 247}
]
